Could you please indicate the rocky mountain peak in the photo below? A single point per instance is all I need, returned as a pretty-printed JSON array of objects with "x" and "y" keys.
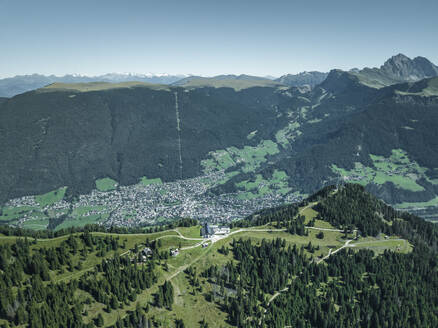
[{"x": 402, "y": 68}]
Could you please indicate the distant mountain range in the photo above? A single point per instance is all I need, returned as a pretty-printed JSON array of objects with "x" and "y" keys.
[
  {"x": 397, "y": 69},
  {"x": 12, "y": 86},
  {"x": 266, "y": 141}
]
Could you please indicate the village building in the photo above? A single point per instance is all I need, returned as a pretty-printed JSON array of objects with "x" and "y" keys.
[
  {"x": 174, "y": 252},
  {"x": 209, "y": 230}
]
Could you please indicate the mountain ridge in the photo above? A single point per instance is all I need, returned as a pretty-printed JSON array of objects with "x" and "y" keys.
[
  {"x": 310, "y": 79},
  {"x": 12, "y": 86},
  {"x": 397, "y": 69},
  {"x": 238, "y": 82}
]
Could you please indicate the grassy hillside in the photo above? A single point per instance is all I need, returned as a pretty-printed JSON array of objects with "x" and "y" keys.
[{"x": 319, "y": 233}]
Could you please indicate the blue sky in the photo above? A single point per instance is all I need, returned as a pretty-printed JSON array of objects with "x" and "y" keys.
[{"x": 211, "y": 37}]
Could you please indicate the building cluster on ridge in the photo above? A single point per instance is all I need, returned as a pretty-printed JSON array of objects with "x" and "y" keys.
[{"x": 209, "y": 230}]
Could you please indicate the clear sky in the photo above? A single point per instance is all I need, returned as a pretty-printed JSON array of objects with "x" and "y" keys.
[{"x": 205, "y": 37}]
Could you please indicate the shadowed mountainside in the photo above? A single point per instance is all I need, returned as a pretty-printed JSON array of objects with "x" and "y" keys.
[
  {"x": 56, "y": 136},
  {"x": 268, "y": 138}
]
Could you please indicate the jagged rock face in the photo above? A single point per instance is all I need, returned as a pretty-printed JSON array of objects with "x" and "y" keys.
[{"x": 402, "y": 68}]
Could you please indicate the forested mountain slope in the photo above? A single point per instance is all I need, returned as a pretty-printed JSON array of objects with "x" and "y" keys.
[
  {"x": 337, "y": 259},
  {"x": 385, "y": 139},
  {"x": 57, "y": 137},
  {"x": 134, "y": 153}
]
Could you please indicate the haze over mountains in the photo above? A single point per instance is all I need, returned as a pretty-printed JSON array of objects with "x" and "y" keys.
[
  {"x": 236, "y": 143},
  {"x": 398, "y": 68},
  {"x": 12, "y": 86}
]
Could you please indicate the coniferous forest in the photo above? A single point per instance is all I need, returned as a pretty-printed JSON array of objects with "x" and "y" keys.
[{"x": 265, "y": 282}]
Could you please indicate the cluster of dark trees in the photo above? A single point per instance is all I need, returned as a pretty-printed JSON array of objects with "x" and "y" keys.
[
  {"x": 350, "y": 289},
  {"x": 352, "y": 207},
  {"x": 164, "y": 296},
  {"x": 364, "y": 290},
  {"x": 135, "y": 319},
  {"x": 121, "y": 282},
  {"x": 285, "y": 216},
  {"x": 276, "y": 214},
  {"x": 260, "y": 270},
  {"x": 348, "y": 207},
  {"x": 295, "y": 226},
  {"x": 390, "y": 290},
  {"x": 138, "y": 319},
  {"x": 20, "y": 232},
  {"x": 31, "y": 297}
]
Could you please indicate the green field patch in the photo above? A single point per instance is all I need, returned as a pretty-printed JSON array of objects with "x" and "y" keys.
[
  {"x": 145, "y": 181},
  {"x": 431, "y": 203},
  {"x": 36, "y": 224},
  {"x": 261, "y": 186},
  {"x": 287, "y": 133},
  {"x": 106, "y": 184},
  {"x": 81, "y": 221},
  {"x": 331, "y": 239},
  {"x": 51, "y": 197},
  {"x": 190, "y": 232},
  {"x": 246, "y": 195},
  {"x": 309, "y": 213},
  {"x": 323, "y": 224},
  {"x": 12, "y": 213},
  {"x": 227, "y": 177},
  {"x": 172, "y": 242},
  {"x": 248, "y": 157},
  {"x": 397, "y": 169},
  {"x": 279, "y": 175},
  {"x": 379, "y": 246},
  {"x": 430, "y": 90}
]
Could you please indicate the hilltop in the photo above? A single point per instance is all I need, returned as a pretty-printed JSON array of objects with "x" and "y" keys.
[
  {"x": 237, "y": 82},
  {"x": 338, "y": 245}
]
